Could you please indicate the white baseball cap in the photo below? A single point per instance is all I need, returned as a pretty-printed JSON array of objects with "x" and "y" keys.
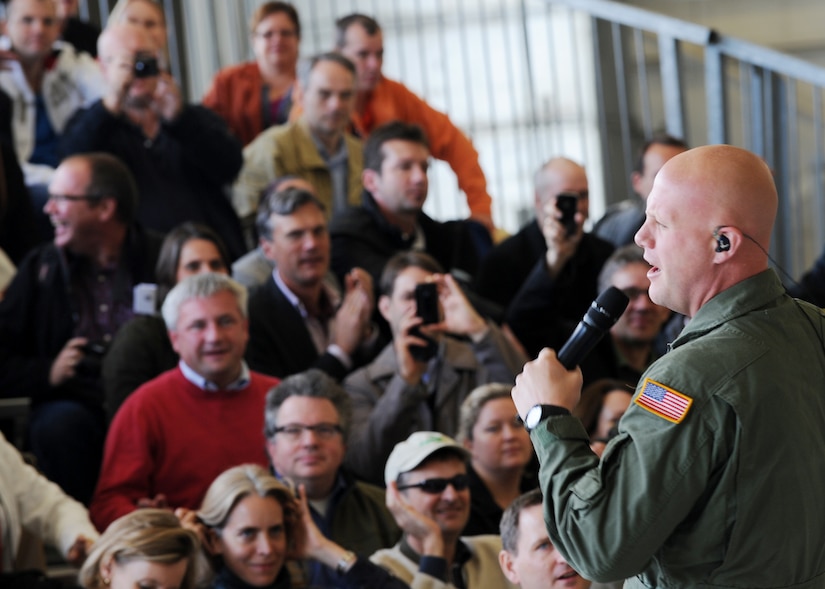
[{"x": 416, "y": 449}]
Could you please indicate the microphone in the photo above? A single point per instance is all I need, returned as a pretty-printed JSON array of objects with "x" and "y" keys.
[{"x": 600, "y": 317}]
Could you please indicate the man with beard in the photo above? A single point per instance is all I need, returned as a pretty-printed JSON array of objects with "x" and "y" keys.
[
  {"x": 298, "y": 320},
  {"x": 180, "y": 155},
  {"x": 629, "y": 350}
]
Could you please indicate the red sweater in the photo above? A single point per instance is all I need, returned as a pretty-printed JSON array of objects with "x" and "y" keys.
[{"x": 173, "y": 438}]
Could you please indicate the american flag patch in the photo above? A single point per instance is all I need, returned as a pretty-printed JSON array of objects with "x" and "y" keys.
[{"x": 663, "y": 401}]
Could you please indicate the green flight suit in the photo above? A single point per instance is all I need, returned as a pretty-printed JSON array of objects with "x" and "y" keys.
[{"x": 730, "y": 495}]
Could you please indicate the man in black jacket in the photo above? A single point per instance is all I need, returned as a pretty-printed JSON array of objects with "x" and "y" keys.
[
  {"x": 64, "y": 306},
  {"x": 299, "y": 318},
  {"x": 391, "y": 218},
  {"x": 180, "y": 155},
  {"x": 563, "y": 277}
]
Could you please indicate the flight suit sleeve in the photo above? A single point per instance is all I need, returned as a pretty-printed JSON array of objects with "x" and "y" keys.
[{"x": 610, "y": 516}]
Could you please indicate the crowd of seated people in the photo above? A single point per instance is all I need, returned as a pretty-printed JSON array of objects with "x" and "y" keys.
[{"x": 299, "y": 421}]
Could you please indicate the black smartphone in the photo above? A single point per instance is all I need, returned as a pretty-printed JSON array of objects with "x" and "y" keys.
[
  {"x": 568, "y": 203},
  {"x": 426, "y": 302},
  {"x": 426, "y": 307},
  {"x": 146, "y": 66}
]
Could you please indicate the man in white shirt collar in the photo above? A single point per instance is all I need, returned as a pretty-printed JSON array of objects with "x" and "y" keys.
[{"x": 336, "y": 326}]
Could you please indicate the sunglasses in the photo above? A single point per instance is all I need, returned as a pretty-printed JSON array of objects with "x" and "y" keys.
[{"x": 435, "y": 486}]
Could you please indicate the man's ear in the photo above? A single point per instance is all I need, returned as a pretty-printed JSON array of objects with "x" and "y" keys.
[
  {"x": 726, "y": 243},
  {"x": 635, "y": 180},
  {"x": 298, "y": 94},
  {"x": 173, "y": 338},
  {"x": 270, "y": 450},
  {"x": 106, "y": 209},
  {"x": 505, "y": 561},
  {"x": 369, "y": 178},
  {"x": 384, "y": 307}
]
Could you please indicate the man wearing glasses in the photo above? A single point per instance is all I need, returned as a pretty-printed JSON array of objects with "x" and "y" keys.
[
  {"x": 428, "y": 493},
  {"x": 63, "y": 308},
  {"x": 307, "y": 424}
]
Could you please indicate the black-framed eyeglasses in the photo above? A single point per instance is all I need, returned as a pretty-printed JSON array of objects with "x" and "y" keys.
[
  {"x": 633, "y": 293},
  {"x": 59, "y": 198},
  {"x": 579, "y": 195},
  {"x": 435, "y": 486},
  {"x": 294, "y": 431}
]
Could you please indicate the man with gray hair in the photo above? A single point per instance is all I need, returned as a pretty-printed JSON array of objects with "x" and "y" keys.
[
  {"x": 176, "y": 433},
  {"x": 300, "y": 320},
  {"x": 307, "y": 424},
  {"x": 316, "y": 146}
]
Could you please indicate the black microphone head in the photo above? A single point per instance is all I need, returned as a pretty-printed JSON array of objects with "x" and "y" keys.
[{"x": 607, "y": 308}]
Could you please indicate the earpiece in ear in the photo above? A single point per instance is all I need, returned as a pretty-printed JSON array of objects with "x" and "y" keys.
[{"x": 722, "y": 243}]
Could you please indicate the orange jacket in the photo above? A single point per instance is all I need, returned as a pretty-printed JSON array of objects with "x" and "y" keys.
[
  {"x": 391, "y": 101},
  {"x": 236, "y": 94}
]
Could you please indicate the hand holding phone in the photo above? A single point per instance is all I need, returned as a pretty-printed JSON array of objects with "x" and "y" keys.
[
  {"x": 426, "y": 307},
  {"x": 568, "y": 204}
]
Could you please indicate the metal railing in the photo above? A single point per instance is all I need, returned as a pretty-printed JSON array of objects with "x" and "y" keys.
[
  {"x": 659, "y": 73},
  {"x": 589, "y": 79}
]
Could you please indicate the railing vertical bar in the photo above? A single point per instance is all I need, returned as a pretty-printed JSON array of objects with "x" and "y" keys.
[
  {"x": 621, "y": 94},
  {"x": 644, "y": 85},
  {"x": 670, "y": 68}
]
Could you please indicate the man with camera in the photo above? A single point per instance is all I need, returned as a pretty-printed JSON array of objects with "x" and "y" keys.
[
  {"x": 552, "y": 266},
  {"x": 65, "y": 304},
  {"x": 181, "y": 155},
  {"x": 420, "y": 379},
  {"x": 544, "y": 241}
]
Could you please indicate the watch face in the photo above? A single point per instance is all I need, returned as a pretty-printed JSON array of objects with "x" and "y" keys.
[{"x": 533, "y": 417}]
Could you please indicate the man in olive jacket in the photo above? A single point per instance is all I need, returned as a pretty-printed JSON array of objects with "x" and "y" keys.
[{"x": 715, "y": 478}]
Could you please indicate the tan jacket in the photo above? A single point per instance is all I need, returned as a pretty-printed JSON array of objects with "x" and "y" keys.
[{"x": 288, "y": 150}]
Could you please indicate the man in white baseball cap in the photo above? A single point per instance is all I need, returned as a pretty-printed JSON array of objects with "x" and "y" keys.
[{"x": 428, "y": 493}]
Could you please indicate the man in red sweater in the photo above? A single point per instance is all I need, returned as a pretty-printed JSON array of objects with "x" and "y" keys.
[{"x": 176, "y": 433}]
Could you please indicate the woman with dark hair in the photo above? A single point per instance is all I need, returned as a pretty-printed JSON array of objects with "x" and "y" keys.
[
  {"x": 600, "y": 408},
  {"x": 141, "y": 350},
  {"x": 255, "y": 95}
]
